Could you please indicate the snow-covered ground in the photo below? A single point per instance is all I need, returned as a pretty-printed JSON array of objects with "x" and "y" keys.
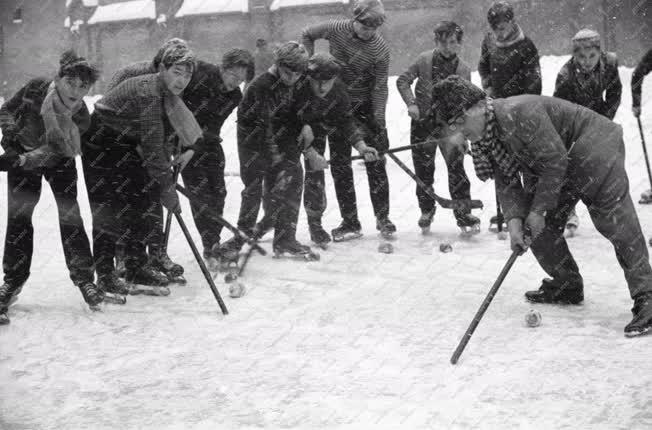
[{"x": 359, "y": 340}]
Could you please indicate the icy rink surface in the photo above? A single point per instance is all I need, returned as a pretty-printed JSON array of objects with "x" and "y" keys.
[{"x": 358, "y": 340}]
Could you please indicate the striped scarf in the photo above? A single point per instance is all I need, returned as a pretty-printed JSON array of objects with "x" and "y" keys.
[{"x": 489, "y": 152}]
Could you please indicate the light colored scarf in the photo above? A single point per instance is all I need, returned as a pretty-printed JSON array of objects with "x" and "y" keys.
[
  {"x": 181, "y": 119},
  {"x": 516, "y": 36},
  {"x": 61, "y": 132}
]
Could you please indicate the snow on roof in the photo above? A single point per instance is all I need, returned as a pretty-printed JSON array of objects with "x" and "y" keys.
[
  {"x": 124, "y": 11},
  {"x": 206, "y": 7},
  {"x": 279, "y": 4},
  {"x": 87, "y": 3}
]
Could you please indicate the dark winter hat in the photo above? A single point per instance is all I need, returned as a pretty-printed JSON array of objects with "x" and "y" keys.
[
  {"x": 177, "y": 54},
  {"x": 586, "y": 38},
  {"x": 452, "y": 96},
  {"x": 446, "y": 29},
  {"x": 499, "y": 12},
  {"x": 170, "y": 42},
  {"x": 292, "y": 55},
  {"x": 73, "y": 65},
  {"x": 323, "y": 67},
  {"x": 370, "y": 13}
]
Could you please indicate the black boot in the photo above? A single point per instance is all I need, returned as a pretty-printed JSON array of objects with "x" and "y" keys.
[
  {"x": 317, "y": 233},
  {"x": 347, "y": 230},
  {"x": 93, "y": 295},
  {"x": 112, "y": 284},
  {"x": 8, "y": 294},
  {"x": 553, "y": 291},
  {"x": 385, "y": 226},
  {"x": 426, "y": 218},
  {"x": 146, "y": 275},
  {"x": 642, "y": 311}
]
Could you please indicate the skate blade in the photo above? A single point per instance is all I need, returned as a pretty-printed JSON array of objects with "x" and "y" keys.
[
  {"x": 95, "y": 308},
  {"x": 494, "y": 228},
  {"x": 645, "y": 331},
  {"x": 148, "y": 290},
  {"x": 178, "y": 280},
  {"x": 386, "y": 248},
  {"x": 388, "y": 236},
  {"x": 469, "y": 231},
  {"x": 309, "y": 256},
  {"x": 347, "y": 237},
  {"x": 4, "y": 319},
  {"x": 321, "y": 245},
  {"x": 115, "y": 299},
  {"x": 645, "y": 201}
]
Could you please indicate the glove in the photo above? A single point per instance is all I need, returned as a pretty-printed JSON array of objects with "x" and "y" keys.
[
  {"x": 370, "y": 154},
  {"x": 636, "y": 110},
  {"x": 184, "y": 158},
  {"x": 317, "y": 162},
  {"x": 170, "y": 200},
  {"x": 516, "y": 236},
  {"x": 306, "y": 137},
  {"x": 10, "y": 139}
]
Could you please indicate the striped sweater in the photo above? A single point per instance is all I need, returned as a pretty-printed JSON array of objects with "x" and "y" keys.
[{"x": 365, "y": 64}]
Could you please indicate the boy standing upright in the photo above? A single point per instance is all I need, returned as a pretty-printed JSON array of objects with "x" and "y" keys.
[
  {"x": 590, "y": 79},
  {"x": 431, "y": 67},
  {"x": 364, "y": 56}
]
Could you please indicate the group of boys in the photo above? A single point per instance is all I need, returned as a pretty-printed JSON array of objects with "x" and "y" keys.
[{"x": 168, "y": 113}]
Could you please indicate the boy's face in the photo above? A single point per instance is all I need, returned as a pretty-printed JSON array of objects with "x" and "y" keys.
[
  {"x": 587, "y": 58},
  {"x": 233, "y": 77},
  {"x": 177, "y": 77},
  {"x": 364, "y": 32},
  {"x": 502, "y": 30},
  {"x": 448, "y": 46},
  {"x": 321, "y": 88},
  {"x": 288, "y": 76},
  {"x": 472, "y": 123},
  {"x": 72, "y": 89}
]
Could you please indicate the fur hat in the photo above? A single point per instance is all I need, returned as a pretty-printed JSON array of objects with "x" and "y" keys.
[
  {"x": 323, "y": 67},
  {"x": 452, "y": 96},
  {"x": 369, "y": 12},
  {"x": 586, "y": 38}
]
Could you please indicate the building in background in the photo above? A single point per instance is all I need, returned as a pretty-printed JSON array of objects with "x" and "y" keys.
[{"x": 114, "y": 33}]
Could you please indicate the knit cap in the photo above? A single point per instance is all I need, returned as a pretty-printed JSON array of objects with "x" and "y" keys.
[{"x": 370, "y": 13}]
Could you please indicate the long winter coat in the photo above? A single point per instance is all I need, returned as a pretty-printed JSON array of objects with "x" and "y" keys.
[{"x": 555, "y": 142}]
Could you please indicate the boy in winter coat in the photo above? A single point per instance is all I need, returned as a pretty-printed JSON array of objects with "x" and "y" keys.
[
  {"x": 431, "y": 67},
  {"x": 41, "y": 127},
  {"x": 584, "y": 79},
  {"x": 509, "y": 61},
  {"x": 364, "y": 56},
  {"x": 127, "y": 160},
  {"x": 269, "y": 146},
  {"x": 329, "y": 114},
  {"x": 545, "y": 155}
]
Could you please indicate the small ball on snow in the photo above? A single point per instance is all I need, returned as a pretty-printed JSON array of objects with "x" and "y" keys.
[
  {"x": 236, "y": 289},
  {"x": 533, "y": 318},
  {"x": 445, "y": 247}
]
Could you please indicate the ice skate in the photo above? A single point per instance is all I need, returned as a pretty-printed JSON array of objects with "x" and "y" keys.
[
  {"x": 115, "y": 289},
  {"x": 174, "y": 272},
  {"x": 642, "y": 321},
  {"x": 294, "y": 250},
  {"x": 646, "y": 197},
  {"x": 347, "y": 230},
  {"x": 425, "y": 220},
  {"x": 230, "y": 253},
  {"x": 8, "y": 295},
  {"x": 386, "y": 228},
  {"x": 93, "y": 295},
  {"x": 468, "y": 224},
  {"x": 495, "y": 221},
  {"x": 318, "y": 235},
  {"x": 148, "y": 281}
]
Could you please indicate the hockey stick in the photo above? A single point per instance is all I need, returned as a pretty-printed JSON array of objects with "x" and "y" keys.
[
  {"x": 393, "y": 150},
  {"x": 443, "y": 202},
  {"x": 647, "y": 160},
  {"x": 168, "y": 218},
  {"x": 483, "y": 308},
  {"x": 229, "y": 226},
  {"x": 201, "y": 263}
]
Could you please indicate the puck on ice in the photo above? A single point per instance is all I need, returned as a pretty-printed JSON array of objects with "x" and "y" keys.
[
  {"x": 386, "y": 248},
  {"x": 533, "y": 318},
  {"x": 445, "y": 247},
  {"x": 236, "y": 289}
]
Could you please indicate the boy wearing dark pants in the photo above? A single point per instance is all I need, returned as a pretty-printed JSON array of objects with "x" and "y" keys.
[
  {"x": 364, "y": 56},
  {"x": 328, "y": 112},
  {"x": 509, "y": 62},
  {"x": 430, "y": 68},
  {"x": 590, "y": 79},
  {"x": 41, "y": 125},
  {"x": 269, "y": 130}
]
